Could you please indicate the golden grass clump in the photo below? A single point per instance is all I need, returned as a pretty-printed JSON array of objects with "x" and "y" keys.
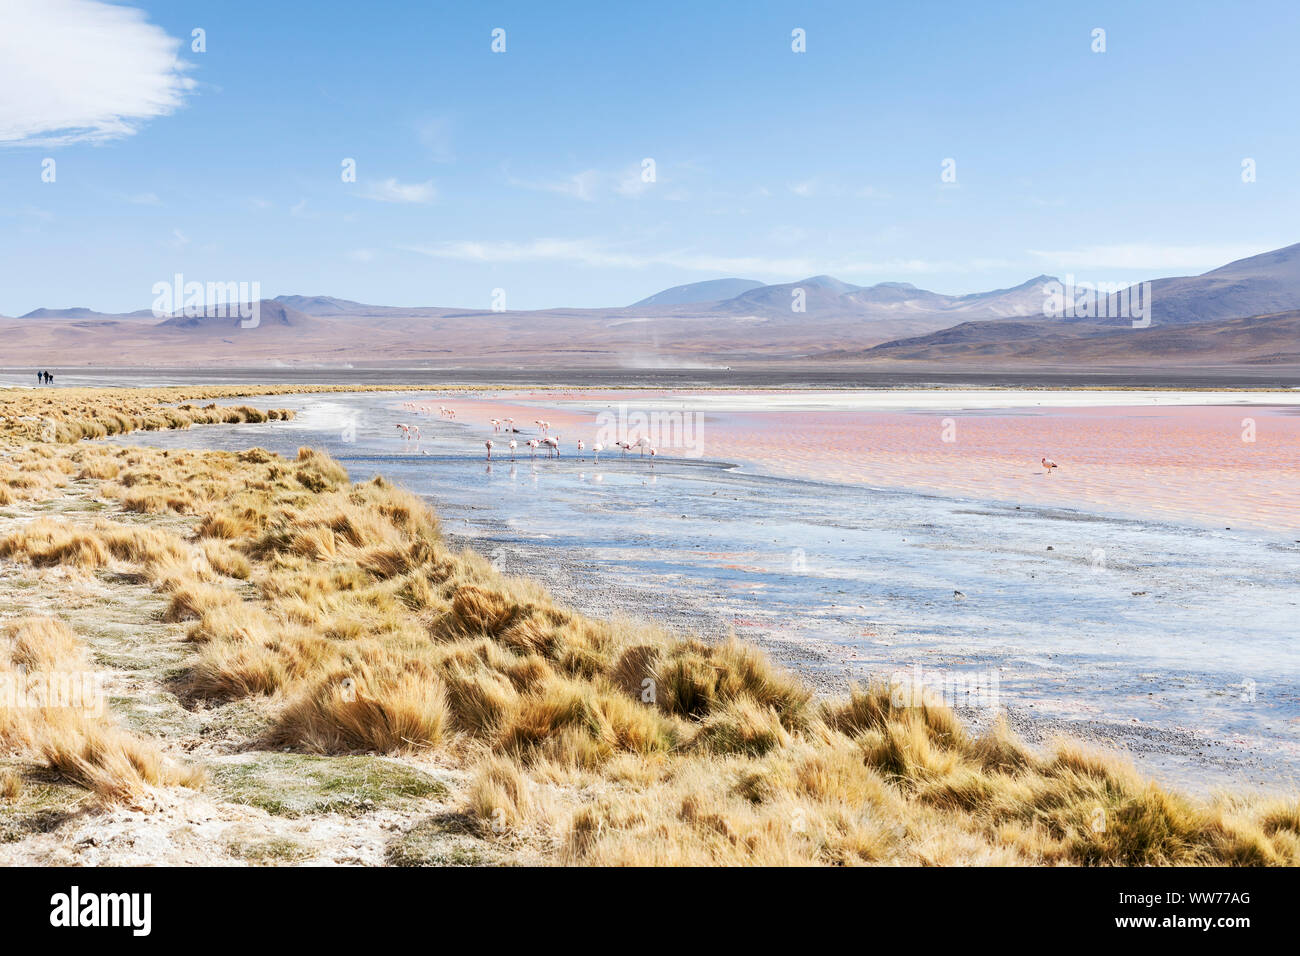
[{"x": 53, "y": 709}]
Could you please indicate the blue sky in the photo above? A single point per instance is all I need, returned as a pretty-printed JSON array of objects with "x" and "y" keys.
[{"x": 522, "y": 170}]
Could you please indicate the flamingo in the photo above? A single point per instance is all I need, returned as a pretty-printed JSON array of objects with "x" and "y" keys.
[
  {"x": 509, "y": 424},
  {"x": 416, "y": 429},
  {"x": 532, "y": 444},
  {"x": 643, "y": 443},
  {"x": 406, "y": 430},
  {"x": 489, "y": 448},
  {"x": 1049, "y": 465},
  {"x": 596, "y": 450},
  {"x": 580, "y": 446},
  {"x": 552, "y": 444},
  {"x": 496, "y": 424},
  {"x": 442, "y": 411},
  {"x": 513, "y": 445},
  {"x": 624, "y": 446}
]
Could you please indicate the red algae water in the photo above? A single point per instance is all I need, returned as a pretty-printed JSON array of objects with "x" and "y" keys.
[{"x": 1206, "y": 463}]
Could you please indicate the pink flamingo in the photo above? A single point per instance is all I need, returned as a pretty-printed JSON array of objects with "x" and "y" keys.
[
  {"x": 643, "y": 443},
  {"x": 532, "y": 444},
  {"x": 1049, "y": 465},
  {"x": 596, "y": 450},
  {"x": 406, "y": 430},
  {"x": 580, "y": 446},
  {"x": 513, "y": 445},
  {"x": 552, "y": 444},
  {"x": 489, "y": 448},
  {"x": 416, "y": 429},
  {"x": 496, "y": 424}
]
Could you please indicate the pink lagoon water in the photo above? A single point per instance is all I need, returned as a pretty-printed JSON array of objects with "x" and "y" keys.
[{"x": 1207, "y": 463}]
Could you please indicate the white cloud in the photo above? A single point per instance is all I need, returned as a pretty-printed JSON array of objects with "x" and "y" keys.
[
  {"x": 1148, "y": 257},
  {"x": 600, "y": 254},
  {"x": 390, "y": 190},
  {"x": 631, "y": 183},
  {"x": 578, "y": 186},
  {"x": 83, "y": 71},
  {"x": 592, "y": 184}
]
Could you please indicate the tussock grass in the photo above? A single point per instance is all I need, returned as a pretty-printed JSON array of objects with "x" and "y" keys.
[{"x": 70, "y": 733}]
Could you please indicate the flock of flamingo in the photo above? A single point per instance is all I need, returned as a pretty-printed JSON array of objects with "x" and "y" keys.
[
  {"x": 546, "y": 441},
  {"x": 551, "y": 443}
]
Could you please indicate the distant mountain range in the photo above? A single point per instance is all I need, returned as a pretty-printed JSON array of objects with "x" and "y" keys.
[
  {"x": 1242, "y": 313},
  {"x": 714, "y": 290}
]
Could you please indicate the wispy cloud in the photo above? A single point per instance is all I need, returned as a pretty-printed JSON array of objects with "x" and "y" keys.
[
  {"x": 632, "y": 182},
  {"x": 83, "y": 71},
  {"x": 390, "y": 190},
  {"x": 593, "y": 184},
  {"x": 601, "y": 254},
  {"x": 1150, "y": 257},
  {"x": 578, "y": 186}
]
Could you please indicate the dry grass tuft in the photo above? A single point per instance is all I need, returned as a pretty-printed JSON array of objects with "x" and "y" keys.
[{"x": 58, "y": 715}]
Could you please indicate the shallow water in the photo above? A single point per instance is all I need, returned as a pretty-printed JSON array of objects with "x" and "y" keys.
[{"x": 1176, "y": 639}]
